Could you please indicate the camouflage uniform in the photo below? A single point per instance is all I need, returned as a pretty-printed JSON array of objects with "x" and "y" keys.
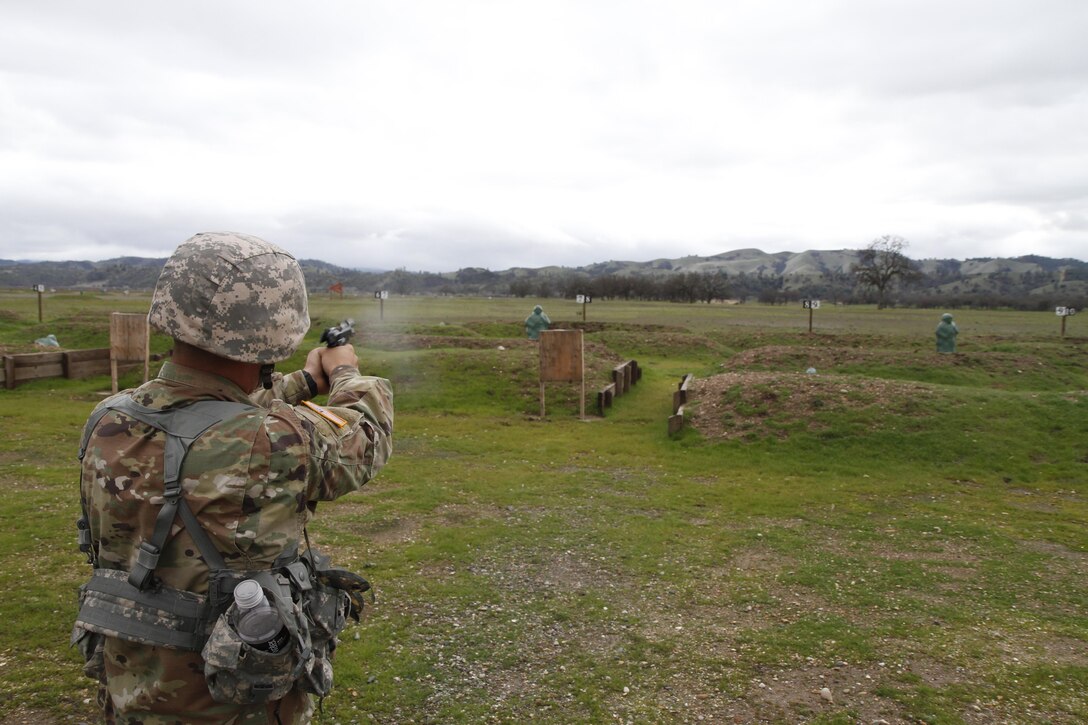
[
  {"x": 254, "y": 484},
  {"x": 252, "y": 481}
]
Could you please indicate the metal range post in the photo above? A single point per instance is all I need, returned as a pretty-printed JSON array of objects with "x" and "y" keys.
[
  {"x": 381, "y": 296},
  {"x": 583, "y": 300},
  {"x": 1064, "y": 312},
  {"x": 810, "y": 305}
]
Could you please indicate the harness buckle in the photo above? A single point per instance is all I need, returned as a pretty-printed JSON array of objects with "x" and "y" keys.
[
  {"x": 86, "y": 543},
  {"x": 147, "y": 558},
  {"x": 300, "y": 575}
]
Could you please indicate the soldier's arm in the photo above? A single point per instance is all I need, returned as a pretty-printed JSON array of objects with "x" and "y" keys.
[
  {"x": 351, "y": 439},
  {"x": 292, "y": 388}
]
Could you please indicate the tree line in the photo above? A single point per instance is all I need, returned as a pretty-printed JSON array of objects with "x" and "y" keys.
[{"x": 882, "y": 275}]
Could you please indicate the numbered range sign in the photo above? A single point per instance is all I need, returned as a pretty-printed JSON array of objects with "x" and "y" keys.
[
  {"x": 39, "y": 288},
  {"x": 1064, "y": 312},
  {"x": 381, "y": 295},
  {"x": 583, "y": 299},
  {"x": 810, "y": 305}
]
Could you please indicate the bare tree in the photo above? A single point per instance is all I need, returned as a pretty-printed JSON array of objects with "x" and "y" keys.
[{"x": 881, "y": 263}]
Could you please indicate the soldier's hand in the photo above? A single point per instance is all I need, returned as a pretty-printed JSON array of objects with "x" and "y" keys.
[
  {"x": 334, "y": 357},
  {"x": 316, "y": 371}
]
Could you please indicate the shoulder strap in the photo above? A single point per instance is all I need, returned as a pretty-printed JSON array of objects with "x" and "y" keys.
[
  {"x": 182, "y": 427},
  {"x": 83, "y": 525}
]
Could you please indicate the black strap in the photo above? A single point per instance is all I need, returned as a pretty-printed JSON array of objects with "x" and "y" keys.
[
  {"x": 182, "y": 427},
  {"x": 83, "y": 525},
  {"x": 310, "y": 383},
  {"x": 211, "y": 555}
]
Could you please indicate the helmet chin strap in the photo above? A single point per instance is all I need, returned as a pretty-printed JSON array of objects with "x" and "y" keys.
[{"x": 266, "y": 375}]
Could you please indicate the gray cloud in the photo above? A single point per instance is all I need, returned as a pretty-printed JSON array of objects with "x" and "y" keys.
[{"x": 430, "y": 135}]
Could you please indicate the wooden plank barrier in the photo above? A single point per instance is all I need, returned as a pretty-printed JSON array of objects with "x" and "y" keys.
[
  {"x": 680, "y": 397},
  {"x": 679, "y": 400},
  {"x": 621, "y": 378},
  {"x": 87, "y": 363},
  {"x": 624, "y": 376},
  {"x": 604, "y": 397},
  {"x": 32, "y": 366},
  {"x": 72, "y": 364}
]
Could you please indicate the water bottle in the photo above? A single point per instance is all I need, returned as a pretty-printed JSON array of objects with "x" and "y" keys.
[{"x": 257, "y": 622}]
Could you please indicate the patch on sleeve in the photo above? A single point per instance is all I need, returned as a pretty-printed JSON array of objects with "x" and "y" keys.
[{"x": 326, "y": 414}]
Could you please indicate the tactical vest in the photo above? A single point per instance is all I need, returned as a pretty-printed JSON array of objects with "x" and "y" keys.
[{"x": 312, "y": 599}]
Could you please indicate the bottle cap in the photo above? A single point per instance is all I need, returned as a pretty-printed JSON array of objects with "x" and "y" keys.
[{"x": 248, "y": 594}]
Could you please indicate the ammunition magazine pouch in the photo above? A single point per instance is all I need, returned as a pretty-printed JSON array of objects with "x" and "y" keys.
[{"x": 313, "y": 600}]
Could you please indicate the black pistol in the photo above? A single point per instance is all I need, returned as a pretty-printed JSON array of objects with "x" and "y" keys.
[{"x": 339, "y": 335}]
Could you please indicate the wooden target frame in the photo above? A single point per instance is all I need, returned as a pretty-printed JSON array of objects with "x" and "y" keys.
[
  {"x": 562, "y": 360},
  {"x": 129, "y": 343}
]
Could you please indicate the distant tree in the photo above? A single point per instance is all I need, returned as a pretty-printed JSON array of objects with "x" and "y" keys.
[
  {"x": 644, "y": 287},
  {"x": 883, "y": 262},
  {"x": 713, "y": 286},
  {"x": 402, "y": 281},
  {"x": 572, "y": 284},
  {"x": 769, "y": 296},
  {"x": 681, "y": 287},
  {"x": 521, "y": 287},
  {"x": 543, "y": 287},
  {"x": 611, "y": 286}
]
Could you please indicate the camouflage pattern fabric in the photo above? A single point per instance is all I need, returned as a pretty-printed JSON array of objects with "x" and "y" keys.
[
  {"x": 291, "y": 388},
  {"x": 231, "y": 680},
  {"x": 252, "y": 482},
  {"x": 234, "y": 295}
]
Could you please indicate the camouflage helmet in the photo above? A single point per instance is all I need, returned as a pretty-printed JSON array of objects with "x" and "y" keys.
[{"x": 233, "y": 295}]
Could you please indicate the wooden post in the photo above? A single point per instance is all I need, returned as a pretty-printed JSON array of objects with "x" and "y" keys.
[
  {"x": 39, "y": 288},
  {"x": 128, "y": 343},
  {"x": 582, "y": 396},
  {"x": 810, "y": 319}
]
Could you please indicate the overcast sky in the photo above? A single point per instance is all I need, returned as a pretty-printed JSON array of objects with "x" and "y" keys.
[{"x": 447, "y": 134}]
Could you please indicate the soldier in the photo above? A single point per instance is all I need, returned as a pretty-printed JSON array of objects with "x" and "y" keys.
[
  {"x": 153, "y": 621},
  {"x": 536, "y": 323}
]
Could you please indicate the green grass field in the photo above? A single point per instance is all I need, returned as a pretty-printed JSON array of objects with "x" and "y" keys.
[{"x": 903, "y": 530}]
